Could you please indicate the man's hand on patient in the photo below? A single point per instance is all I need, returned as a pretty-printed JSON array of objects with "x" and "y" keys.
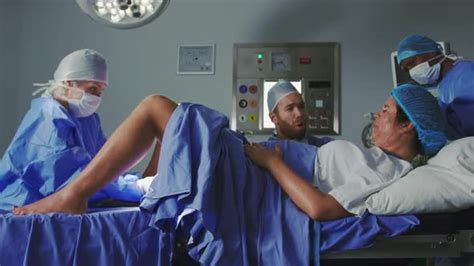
[{"x": 262, "y": 156}]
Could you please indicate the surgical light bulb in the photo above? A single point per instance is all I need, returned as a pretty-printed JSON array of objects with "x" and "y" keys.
[
  {"x": 100, "y": 4},
  {"x": 102, "y": 11},
  {"x": 115, "y": 18},
  {"x": 145, "y": 2},
  {"x": 142, "y": 10},
  {"x": 136, "y": 11},
  {"x": 121, "y": 14},
  {"x": 129, "y": 12},
  {"x": 109, "y": 5},
  {"x": 113, "y": 12},
  {"x": 149, "y": 8},
  {"x": 122, "y": 4}
]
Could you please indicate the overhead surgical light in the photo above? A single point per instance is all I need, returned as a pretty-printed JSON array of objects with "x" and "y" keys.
[{"x": 123, "y": 14}]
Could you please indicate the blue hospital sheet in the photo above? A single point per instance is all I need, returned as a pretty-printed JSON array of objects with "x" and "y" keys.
[
  {"x": 243, "y": 217},
  {"x": 360, "y": 232},
  {"x": 119, "y": 236}
]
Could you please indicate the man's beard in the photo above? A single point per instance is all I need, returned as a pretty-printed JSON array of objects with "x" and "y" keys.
[{"x": 291, "y": 133}]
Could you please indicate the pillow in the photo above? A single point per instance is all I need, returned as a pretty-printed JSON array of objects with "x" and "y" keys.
[{"x": 444, "y": 184}]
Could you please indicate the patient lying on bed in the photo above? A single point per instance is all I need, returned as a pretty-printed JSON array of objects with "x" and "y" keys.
[{"x": 345, "y": 174}]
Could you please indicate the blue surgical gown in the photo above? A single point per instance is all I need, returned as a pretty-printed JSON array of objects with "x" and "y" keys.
[
  {"x": 311, "y": 140},
  {"x": 48, "y": 150},
  {"x": 456, "y": 98}
]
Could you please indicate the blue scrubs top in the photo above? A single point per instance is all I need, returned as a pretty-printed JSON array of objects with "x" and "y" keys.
[
  {"x": 49, "y": 149},
  {"x": 456, "y": 98}
]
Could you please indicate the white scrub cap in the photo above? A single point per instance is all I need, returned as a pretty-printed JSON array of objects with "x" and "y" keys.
[
  {"x": 281, "y": 89},
  {"x": 85, "y": 64}
]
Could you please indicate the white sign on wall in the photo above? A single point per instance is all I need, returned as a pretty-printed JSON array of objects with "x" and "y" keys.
[{"x": 196, "y": 59}]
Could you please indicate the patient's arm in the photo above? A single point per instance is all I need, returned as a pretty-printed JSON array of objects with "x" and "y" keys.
[
  {"x": 127, "y": 144},
  {"x": 316, "y": 204}
]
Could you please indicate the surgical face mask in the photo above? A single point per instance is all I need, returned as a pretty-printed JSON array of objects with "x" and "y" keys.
[
  {"x": 425, "y": 74},
  {"x": 85, "y": 106}
]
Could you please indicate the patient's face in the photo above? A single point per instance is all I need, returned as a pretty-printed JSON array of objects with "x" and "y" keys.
[
  {"x": 386, "y": 130},
  {"x": 289, "y": 117}
]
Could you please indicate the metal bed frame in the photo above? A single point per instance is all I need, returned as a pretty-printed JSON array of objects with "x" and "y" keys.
[
  {"x": 439, "y": 235},
  {"x": 455, "y": 244}
]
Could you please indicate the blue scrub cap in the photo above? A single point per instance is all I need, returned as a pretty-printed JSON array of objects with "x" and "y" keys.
[
  {"x": 281, "y": 89},
  {"x": 415, "y": 45},
  {"x": 424, "y": 113},
  {"x": 85, "y": 64}
]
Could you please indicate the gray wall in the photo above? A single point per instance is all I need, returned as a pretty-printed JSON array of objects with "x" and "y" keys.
[
  {"x": 143, "y": 60},
  {"x": 9, "y": 111}
]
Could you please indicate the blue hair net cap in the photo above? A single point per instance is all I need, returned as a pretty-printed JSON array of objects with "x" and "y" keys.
[
  {"x": 415, "y": 45},
  {"x": 281, "y": 89},
  {"x": 424, "y": 113},
  {"x": 85, "y": 64}
]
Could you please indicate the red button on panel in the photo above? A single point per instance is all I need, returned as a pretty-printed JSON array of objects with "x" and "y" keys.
[
  {"x": 253, "y": 103},
  {"x": 253, "y": 89},
  {"x": 305, "y": 60}
]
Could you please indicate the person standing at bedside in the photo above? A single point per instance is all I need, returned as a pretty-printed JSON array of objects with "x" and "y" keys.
[
  {"x": 453, "y": 79},
  {"x": 60, "y": 135}
]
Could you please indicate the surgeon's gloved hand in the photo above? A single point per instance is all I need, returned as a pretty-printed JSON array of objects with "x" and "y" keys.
[{"x": 124, "y": 188}]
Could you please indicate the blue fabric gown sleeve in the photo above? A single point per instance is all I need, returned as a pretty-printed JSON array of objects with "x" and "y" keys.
[
  {"x": 101, "y": 139},
  {"x": 458, "y": 117},
  {"x": 319, "y": 141},
  {"x": 456, "y": 96},
  {"x": 43, "y": 155}
]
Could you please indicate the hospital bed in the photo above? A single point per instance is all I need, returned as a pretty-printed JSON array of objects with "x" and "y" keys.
[
  {"x": 438, "y": 235},
  {"x": 105, "y": 236},
  {"x": 129, "y": 236},
  {"x": 122, "y": 236}
]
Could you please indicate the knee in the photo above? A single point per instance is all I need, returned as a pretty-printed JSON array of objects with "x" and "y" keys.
[
  {"x": 158, "y": 103},
  {"x": 155, "y": 100}
]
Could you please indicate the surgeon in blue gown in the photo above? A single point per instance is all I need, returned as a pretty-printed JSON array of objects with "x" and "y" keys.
[
  {"x": 59, "y": 135},
  {"x": 423, "y": 58}
]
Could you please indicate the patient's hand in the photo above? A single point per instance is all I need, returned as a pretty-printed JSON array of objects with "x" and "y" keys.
[{"x": 261, "y": 156}]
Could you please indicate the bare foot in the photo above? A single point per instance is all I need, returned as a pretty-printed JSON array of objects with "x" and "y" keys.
[{"x": 57, "y": 202}]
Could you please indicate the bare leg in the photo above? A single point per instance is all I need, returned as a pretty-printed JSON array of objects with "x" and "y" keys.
[
  {"x": 151, "y": 169},
  {"x": 127, "y": 144}
]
